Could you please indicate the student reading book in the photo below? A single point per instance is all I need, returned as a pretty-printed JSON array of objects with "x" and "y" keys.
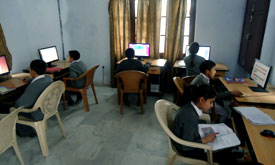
[{"x": 197, "y": 99}]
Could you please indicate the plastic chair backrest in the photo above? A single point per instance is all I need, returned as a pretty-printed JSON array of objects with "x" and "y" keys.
[
  {"x": 7, "y": 127},
  {"x": 49, "y": 99},
  {"x": 164, "y": 112},
  {"x": 90, "y": 76},
  {"x": 130, "y": 80}
]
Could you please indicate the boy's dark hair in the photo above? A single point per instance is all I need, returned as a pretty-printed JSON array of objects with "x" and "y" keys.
[
  {"x": 39, "y": 66},
  {"x": 193, "y": 93},
  {"x": 206, "y": 65},
  {"x": 193, "y": 49},
  {"x": 74, "y": 54},
  {"x": 130, "y": 53}
]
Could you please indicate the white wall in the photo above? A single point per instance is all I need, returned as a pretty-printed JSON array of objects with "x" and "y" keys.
[
  {"x": 268, "y": 49},
  {"x": 219, "y": 24},
  {"x": 29, "y": 25},
  {"x": 32, "y": 24},
  {"x": 86, "y": 28}
]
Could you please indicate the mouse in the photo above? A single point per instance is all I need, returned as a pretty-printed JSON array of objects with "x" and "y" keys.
[{"x": 268, "y": 133}]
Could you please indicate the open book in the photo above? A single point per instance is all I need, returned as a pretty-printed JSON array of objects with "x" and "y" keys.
[
  {"x": 255, "y": 116},
  {"x": 225, "y": 139}
]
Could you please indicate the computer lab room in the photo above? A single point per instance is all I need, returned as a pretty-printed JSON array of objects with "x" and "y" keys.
[{"x": 140, "y": 82}]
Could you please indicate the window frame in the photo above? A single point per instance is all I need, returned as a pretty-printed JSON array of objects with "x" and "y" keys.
[{"x": 191, "y": 26}]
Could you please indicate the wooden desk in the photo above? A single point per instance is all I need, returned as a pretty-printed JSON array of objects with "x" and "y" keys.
[
  {"x": 15, "y": 82},
  {"x": 61, "y": 64},
  {"x": 250, "y": 96},
  {"x": 263, "y": 147},
  {"x": 54, "y": 75},
  {"x": 156, "y": 68},
  {"x": 220, "y": 67}
]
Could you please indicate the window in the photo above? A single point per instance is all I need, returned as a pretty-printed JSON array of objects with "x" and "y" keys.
[
  {"x": 188, "y": 29},
  {"x": 186, "y": 38}
]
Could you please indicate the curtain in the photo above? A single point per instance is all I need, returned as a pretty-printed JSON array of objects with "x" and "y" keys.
[
  {"x": 5, "y": 51},
  {"x": 148, "y": 25},
  {"x": 176, "y": 11},
  {"x": 119, "y": 22}
]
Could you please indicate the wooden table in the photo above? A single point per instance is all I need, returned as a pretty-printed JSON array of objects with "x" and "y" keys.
[
  {"x": 156, "y": 64},
  {"x": 220, "y": 67},
  {"x": 155, "y": 70},
  {"x": 263, "y": 147},
  {"x": 56, "y": 75},
  {"x": 251, "y": 97},
  {"x": 15, "y": 82}
]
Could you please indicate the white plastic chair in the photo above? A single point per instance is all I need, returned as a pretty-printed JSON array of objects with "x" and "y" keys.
[
  {"x": 8, "y": 134},
  {"x": 48, "y": 103},
  {"x": 164, "y": 112}
]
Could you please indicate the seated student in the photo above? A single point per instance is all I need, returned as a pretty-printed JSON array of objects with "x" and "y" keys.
[
  {"x": 186, "y": 124},
  {"x": 36, "y": 85},
  {"x": 208, "y": 71},
  {"x": 131, "y": 63},
  {"x": 77, "y": 68},
  {"x": 193, "y": 61}
]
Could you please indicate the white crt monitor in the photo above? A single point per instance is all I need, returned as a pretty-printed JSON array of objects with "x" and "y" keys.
[
  {"x": 48, "y": 54},
  {"x": 259, "y": 75},
  {"x": 204, "y": 51}
]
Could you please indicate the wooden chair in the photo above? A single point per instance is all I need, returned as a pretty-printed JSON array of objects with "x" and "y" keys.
[
  {"x": 181, "y": 83},
  {"x": 8, "y": 134},
  {"x": 164, "y": 112},
  {"x": 48, "y": 103},
  {"x": 132, "y": 82},
  {"x": 89, "y": 81}
]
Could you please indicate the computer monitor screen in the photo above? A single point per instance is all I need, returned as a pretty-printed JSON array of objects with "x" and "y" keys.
[
  {"x": 141, "y": 50},
  {"x": 204, "y": 51},
  {"x": 260, "y": 75},
  {"x": 48, "y": 54},
  {"x": 4, "y": 69}
]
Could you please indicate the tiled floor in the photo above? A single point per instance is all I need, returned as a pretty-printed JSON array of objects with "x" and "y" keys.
[{"x": 101, "y": 136}]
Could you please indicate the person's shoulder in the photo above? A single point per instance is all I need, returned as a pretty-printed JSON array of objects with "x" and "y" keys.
[
  {"x": 47, "y": 79},
  {"x": 126, "y": 61},
  {"x": 197, "y": 77},
  {"x": 186, "y": 58},
  {"x": 184, "y": 109},
  {"x": 198, "y": 80},
  {"x": 199, "y": 58}
]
